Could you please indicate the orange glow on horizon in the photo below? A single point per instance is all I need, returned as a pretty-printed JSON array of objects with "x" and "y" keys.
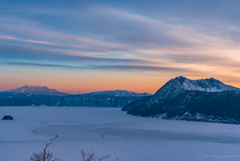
[{"x": 78, "y": 82}]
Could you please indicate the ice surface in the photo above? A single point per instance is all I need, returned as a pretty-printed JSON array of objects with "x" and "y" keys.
[{"x": 111, "y": 131}]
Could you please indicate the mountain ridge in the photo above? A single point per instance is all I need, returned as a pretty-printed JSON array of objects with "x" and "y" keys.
[
  {"x": 50, "y": 91},
  {"x": 117, "y": 98},
  {"x": 119, "y": 93},
  {"x": 207, "y": 85}
]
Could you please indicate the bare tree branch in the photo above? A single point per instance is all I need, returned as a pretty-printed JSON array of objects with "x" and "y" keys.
[
  {"x": 44, "y": 156},
  {"x": 48, "y": 156},
  {"x": 103, "y": 157},
  {"x": 90, "y": 156}
]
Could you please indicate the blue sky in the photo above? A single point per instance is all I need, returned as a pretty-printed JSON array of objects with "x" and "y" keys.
[{"x": 101, "y": 41}]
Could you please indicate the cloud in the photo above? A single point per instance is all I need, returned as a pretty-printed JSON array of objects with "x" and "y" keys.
[
  {"x": 114, "y": 28},
  {"x": 41, "y": 65},
  {"x": 23, "y": 53},
  {"x": 34, "y": 30},
  {"x": 105, "y": 67},
  {"x": 54, "y": 45},
  {"x": 140, "y": 68},
  {"x": 123, "y": 35}
]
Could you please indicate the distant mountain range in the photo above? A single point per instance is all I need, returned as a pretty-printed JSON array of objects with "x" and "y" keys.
[
  {"x": 118, "y": 93},
  {"x": 43, "y": 96},
  {"x": 200, "y": 100}
]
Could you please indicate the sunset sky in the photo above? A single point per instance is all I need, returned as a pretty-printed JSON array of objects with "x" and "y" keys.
[{"x": 83, "y": 46}]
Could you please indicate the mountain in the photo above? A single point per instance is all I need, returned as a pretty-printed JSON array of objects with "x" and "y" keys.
[
  {"x": 69, "y": 100},
  {"x": 42, "y": 96},
  {"x": 36, "y": 90},
  {"x": 206, "y": 85},
  {"x": 185, "y": 99},
  {"x": 118, "y": 93}
]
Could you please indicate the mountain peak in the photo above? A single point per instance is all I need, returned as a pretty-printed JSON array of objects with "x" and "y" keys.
[
  {"x": 180, "y": 79},
  {"x": 181, "y": 83},
  {"x": 36, "y": 90}
]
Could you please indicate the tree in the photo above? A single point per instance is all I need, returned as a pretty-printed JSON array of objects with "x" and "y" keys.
[{"x": 44, "y": 156}]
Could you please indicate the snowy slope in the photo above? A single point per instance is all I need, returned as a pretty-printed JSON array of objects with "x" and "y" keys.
[{"x": 207, "y": 85}]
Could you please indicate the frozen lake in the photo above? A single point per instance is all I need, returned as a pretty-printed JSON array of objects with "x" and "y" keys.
[{"x": 111, "y": 131}]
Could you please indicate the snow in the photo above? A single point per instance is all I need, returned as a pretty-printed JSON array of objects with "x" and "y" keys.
[
  {"x": 35, "y": 90},
  {"x": 111, "y": 131},
  {"x": 207, "y": 85},
  {"x": 119, "y": 93}
]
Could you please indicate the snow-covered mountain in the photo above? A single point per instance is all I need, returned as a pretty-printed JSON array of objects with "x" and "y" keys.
[
  {"x": 207, "y": 85},
  {"x": 118, "y": 93},
  {"x": 181, "y": 84},
  {"x": 182, "y": 98},
  {"x": 36, "y": 90}
]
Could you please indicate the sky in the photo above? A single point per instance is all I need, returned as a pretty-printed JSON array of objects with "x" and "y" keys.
[{"x": 79, "y": 46}]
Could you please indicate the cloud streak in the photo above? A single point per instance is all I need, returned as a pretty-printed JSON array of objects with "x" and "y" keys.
[
  {"x": 9, "y": 52},
  {"x": 105, "y": 67}
]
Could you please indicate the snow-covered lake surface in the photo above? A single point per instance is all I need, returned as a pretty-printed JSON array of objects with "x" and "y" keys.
[{"x": 111, "y": 131}]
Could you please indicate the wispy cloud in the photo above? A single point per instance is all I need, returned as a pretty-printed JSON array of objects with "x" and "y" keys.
[
  {"x": 28, "y": 29},
  {"x": 169, "y": 37},
  {"x": 104, "y": 67},
  {"x": 48, "y": 44},
  {"x": 14, "y": 52}
]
